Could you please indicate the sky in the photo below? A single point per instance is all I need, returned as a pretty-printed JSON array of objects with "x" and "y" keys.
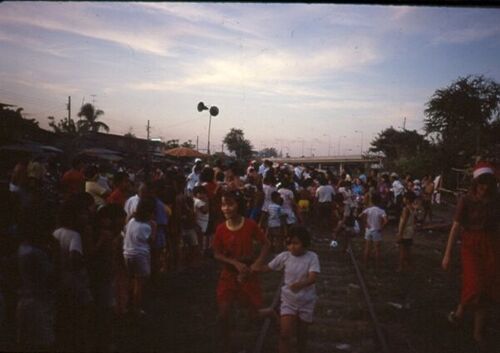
[{"x": 305, "y": 79}]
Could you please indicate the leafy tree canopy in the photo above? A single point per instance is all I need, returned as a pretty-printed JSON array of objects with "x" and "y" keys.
[
  {"x": 395, "y": 144},
  {"x": 268, "y": 152},
  {"x": 236, "y": 143},
  {"x": 461, "y": 114}
]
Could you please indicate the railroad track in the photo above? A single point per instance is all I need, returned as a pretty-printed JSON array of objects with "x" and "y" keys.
[{"x": 345, "y": 317}]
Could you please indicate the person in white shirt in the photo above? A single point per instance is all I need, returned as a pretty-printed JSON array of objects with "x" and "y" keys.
[
  {"x": 130, "y": 207},
  {"x": 398, "y": 191},
  {"x": 74, "y": 296},
  {"x": 193, "y": 179},
  {"x": 276, "y": 222},
  {"x": 289, "y": 205},
  {"x": 202, "y": 215},
  {"x": 324, "y": 198},
  {"x": 374, "y": 218},
  {"x": 139, "y": 236},
  {"x": 298, "y": 293}
]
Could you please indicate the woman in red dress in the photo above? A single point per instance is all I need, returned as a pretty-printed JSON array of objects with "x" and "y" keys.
[
  {"x": 477, "y": 215},
  {"x": 241, "y": 247}
]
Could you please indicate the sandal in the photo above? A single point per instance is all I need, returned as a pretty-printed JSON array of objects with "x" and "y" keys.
[{"x": 453, "y": 318}]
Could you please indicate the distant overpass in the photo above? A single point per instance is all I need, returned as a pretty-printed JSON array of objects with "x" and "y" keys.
[{"x": 348, "y": 162}]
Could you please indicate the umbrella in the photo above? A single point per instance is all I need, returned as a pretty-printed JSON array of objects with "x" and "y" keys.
[
  {"x": 184, "y": 152},
  {"x": 102, "y": 153}
]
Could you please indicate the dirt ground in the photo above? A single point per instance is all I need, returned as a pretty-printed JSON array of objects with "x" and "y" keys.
[{"x": 182, "y": 310}]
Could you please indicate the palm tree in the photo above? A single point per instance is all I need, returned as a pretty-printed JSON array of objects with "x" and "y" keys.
[{"x": 89, "y": 122}]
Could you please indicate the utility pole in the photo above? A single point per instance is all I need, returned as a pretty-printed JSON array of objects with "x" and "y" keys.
[
  {"x": 69, "y": 109},
  {"x": 93, "y": 99},
  {"x": 197, "y": 143},
  {"x": 147, "y": 169},
  {"x": 404, "y": 123}
]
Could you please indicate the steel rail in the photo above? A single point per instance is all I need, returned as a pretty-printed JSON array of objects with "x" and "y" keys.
[{"x": 376, "y": 323}]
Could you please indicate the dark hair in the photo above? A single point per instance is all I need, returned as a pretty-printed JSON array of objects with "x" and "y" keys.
[
  {"x": 485, "y": 179},
  {"x": 199, "y": 190},
  {"x": 269, "y": 178},
  {"x": 145, "y": 208},
  {"x": 376, "y": 199},
  {"x": 119, "y": 177},
  {"x": 207, "y": 175},
  {"x": 76, "y": 162},
  {"x": 219, "y": 176},
  {"x": 301, "y": 233},
  {"x": 110, "y": 211},
  {"x": 237, "y": 197},
  {"x": 71, "y": 210},
  {"x": 410, "y": 196},
  {"x": 90, "y": 171}
]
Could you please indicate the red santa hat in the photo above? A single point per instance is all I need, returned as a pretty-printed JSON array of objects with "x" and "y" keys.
[{"x": 483, "y": 168}]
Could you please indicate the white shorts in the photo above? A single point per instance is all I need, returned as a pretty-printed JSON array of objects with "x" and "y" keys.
[
  {"x": 138, "y": 266},
  {"x": 303, "y": 311},
  {"x": 374, "y": 235}
]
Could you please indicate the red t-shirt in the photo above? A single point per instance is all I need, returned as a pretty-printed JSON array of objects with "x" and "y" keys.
[
  {"x": 240, "y": 244},
  {"x": 73, "y": 181},
  {"x": 117, "y": 197}
]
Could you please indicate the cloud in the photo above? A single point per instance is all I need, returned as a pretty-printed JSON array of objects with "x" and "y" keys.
[
  {"x": 75, "y": 19},
  {"x": 466, "y": 35}
]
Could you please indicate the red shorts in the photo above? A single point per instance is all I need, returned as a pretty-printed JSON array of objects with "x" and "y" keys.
[
  {"x": 247, "y": 293},
  {"x": 481, "y": 267}
]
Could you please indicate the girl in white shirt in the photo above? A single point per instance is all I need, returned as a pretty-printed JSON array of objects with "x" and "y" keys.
[{"x": 298, "y": 294}]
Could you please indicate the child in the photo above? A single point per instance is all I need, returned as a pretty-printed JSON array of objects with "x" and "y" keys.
[
  {"x": 201, "y": 210},
  {"x": 298, "y": 293},
  {"x": 34, "y": 313},
  {"x": 74, "y": 297},
  {"x": 374, "y": 219},
  {"x": 406, "y": 230},
  {"x": 268, "y": 188},
  {"x": 139, "y": 236},
  {"x": 276, "y": 222},
  {"x": 346, "y": 226},
  {"x": 236, "y": 246},
  {"x": 187, "y": 224}
]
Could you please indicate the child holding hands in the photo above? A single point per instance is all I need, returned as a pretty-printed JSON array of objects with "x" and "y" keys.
[{"x": 298, "y": 293}]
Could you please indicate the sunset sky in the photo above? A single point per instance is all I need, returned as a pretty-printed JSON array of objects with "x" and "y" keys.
[{"x": 298, "y": 77}]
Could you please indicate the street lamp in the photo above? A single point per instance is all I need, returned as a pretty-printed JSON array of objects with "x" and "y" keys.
[
  {"x": 338, "y": 149},
  {"x": 214, "y": 111},
  {"x": 329, "y": 142},
  {"x": 360, "y": 132}
]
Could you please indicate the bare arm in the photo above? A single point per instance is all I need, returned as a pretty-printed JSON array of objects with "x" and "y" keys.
[
  {"x": 264, "y": 251},
  {"x": 455, "y": 230},
  {"x": 402, "y": 224},
  {"x": 241, "y": 267},
  {"x": 310, "y": 280}
]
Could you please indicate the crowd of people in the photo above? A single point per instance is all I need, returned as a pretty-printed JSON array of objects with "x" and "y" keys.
[{"x": 80, "y": 247}]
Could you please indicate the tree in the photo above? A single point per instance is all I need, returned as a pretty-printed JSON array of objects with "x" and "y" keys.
[
  {"x": 461, "y": 116},
  {"x": 13, "y": 124},
  {"x": 63, "y": 125},
  {"x": 130, "y": 133},
  {"x": 89, "y": 122},
  {"x": 188, "y": 144},
  {"x": 395, "y": 144},
  {"x": 268, "y": 152},
  {"x": 171, "y": 144},
  {"x": 406, "y": 151},
  {"x": 236, "y": 143}
]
